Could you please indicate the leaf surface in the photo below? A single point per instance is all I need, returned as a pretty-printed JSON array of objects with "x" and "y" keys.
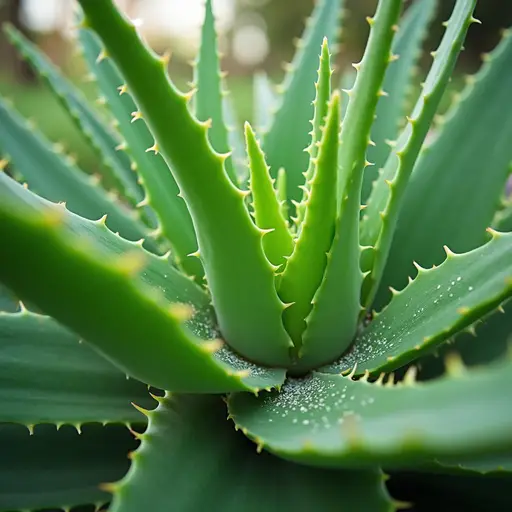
[
  {"x": 239, "y": 275},
  {"x": 48, "y": 376},
  {"x": 60, "y": 468},
  {"x": 152, "y": 321},
  {"x": 440, "y": 302},
  {"x": 189, "y": 436},
  {"x": 333, "y": 421},
  {"x": 285, "y": 140}
]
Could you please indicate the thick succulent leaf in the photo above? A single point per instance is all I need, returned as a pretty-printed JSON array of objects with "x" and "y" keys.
[
  {"x": 153, "y": 322},
  {"x": 336, "y": 307},
  {"x": 390, "y": 112},
  {"x": 456, "y": 198},
  {"x": 501, "y": 463},
  {"x": 162, "y": 192},
  {"x": 380, "y": 218},
  {"x": 190, "y": 436},
  {"x": 49, "y": 174},
  {"x": 333, "y": 421},
  {"x": 321, "y": 108},
  {"x": 287, "y": 136},
  {"x": 281, "y": 188},
  {"x": 265, "y": 101},
  {"x": 278, "y": 242},
  {"x": 87, "y": 120},
  {"x": 60, "y": 468},
  {"x": 239, "y": 275},
  {"x": 306, "y": 266},
  {"x": 48, "y": 376},
  {"x": 208, "y": 102},
  {"x": 440, "y": 302},
  {"x": 479, "y": 344}
]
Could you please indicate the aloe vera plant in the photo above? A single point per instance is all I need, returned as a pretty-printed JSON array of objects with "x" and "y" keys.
[{"x": 257, "y": 294}]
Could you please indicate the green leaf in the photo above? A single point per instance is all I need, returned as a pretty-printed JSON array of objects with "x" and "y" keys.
[
  {"x": 49, "y": 174},
  {"x": 336, "y": 305},
  {"x": 287, "y": 136},
  {"x": 281, "y": 188},
  {"x": 60, "y": 468},
  {"x": 379, "y": 221},
  {"x": 457, "y": 205},
  {"x": 208, "y": 103},
  {"x": 321, "y": 107},
  {"x": 278, "y": 242},
  {"x": 87, "y": 120},
  {"x": 190, "y": 436},
  {"x": 333, "y": 421},
  {"x": 501, "y": 463},
  {"x": 306, "y": 266},
  {"x": 153, "y": 322},
  {"x": 440, "y": 302},
  {"x": 265, "y": 101},
  {"x": 48, "y": 376},
  {"x": 162, "y": 192},
  {"x": 230, "y": 244},
  {"x": 390, "y": 112},
  {"x": 481, "y": 343}
]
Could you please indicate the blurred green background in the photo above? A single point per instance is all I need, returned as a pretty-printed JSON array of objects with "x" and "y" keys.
[{"x": 255, "y": 35}]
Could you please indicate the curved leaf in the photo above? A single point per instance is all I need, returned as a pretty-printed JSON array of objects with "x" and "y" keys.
[
  {"x": 333, "y": 421},
  {"x": 162, "y": 192},
  {"x": 287, "y": 136},
  {"x": 48, "y": 173},
  {"x": 439, "y": 303},
  {"x": 457, "y": 199},
  {"x": 60, "y": 468},
  {"x": 87, "y": 120},
  {"x": 153, "y": 322},
  {"x": 48, "y": 376},
  {"x": 208, "y": 102},
  {"x": 390, "y": 113},
  {"x": 230, "y": 245},
  {"x": 190, "y": 436}
]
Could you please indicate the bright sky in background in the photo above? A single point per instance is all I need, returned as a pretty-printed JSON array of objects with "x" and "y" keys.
[{"x": 181, "y": 18}]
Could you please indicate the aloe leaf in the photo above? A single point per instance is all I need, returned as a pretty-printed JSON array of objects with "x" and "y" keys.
[
  {"x": 162, "y": 192},
  {"x": 336, "y": 305},
  {"x": 439, "y": 303},
  {"x": 265, "y": 101},
  {"x": 281, "y": 188},
  {"x": 287, "y": 136},
  {"x": 278, "y": 242},
  {"x": 390, "y": 112},
  {"x": 49, "y": 174},
  {"x": 60, "y": 468},
  {"x": 498, "y": 464},
  {"x": 230, "y": 244},
  {"x": 92, "y": 126},
  {"x": 379, "y": 221},
  {"x": 48, "y": 376},
  {"x": 236, "y": 141},
  {"x": 321, "y": 105},
  {"x": 333, "y": 421},
  {"x": 208, "y": 102},
  {"x": 151, "y": 321},
  {"x": 187, "y": 435},
  {"x": 306, "y": 265},
  {"x": 480, "y": 343},
  {"x": 458, "y": 205}
]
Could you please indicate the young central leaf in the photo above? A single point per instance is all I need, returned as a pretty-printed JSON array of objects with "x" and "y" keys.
[{"x": 305, "y": 268}]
